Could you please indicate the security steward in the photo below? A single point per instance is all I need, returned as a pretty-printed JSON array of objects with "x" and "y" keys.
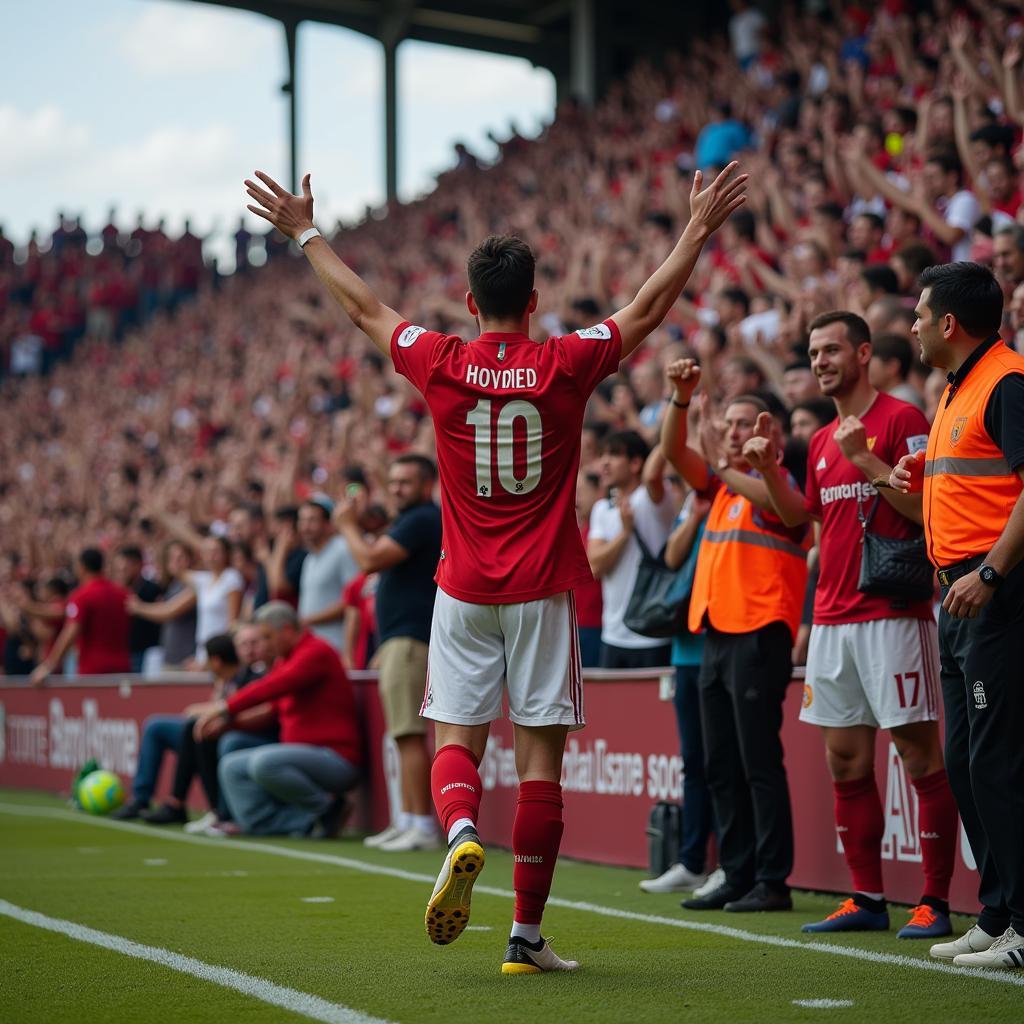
[
  {"x": 973, "y": 479},
  {"x": 747, "y": 595}
]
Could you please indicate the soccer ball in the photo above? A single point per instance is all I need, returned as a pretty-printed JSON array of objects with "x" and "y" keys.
[{"x": 100, "y": 793}]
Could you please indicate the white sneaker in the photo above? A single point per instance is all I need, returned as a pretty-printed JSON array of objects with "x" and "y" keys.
[
  {"x": 411, "y": 839},
  {"x": 391, "y": 832},
  {"x": 678, "y": 878},
  {"x": 202, "y": 824},
  {"x": 715, "y": 881},
  {"x": 523, "y": 957},
  {"x": 974, "y": 941},
  {"x": 1006, "y": 952}
]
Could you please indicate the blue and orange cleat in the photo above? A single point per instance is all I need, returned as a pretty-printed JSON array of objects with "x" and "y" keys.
[
  {"x": 926, "y": 923},
  {"x": 851, "y": 917}
]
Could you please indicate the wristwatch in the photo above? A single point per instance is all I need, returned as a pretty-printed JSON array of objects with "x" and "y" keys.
[{"x": 989, "y": 576}]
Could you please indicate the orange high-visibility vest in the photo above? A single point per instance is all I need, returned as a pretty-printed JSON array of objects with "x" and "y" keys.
[
  {"x": 969, "y": 488},
  {"x": 748, "y": 575}
]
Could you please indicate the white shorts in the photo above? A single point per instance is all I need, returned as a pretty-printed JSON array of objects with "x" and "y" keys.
[
  {"x": 477, "y": 650},
  {"x": 881, "y": 673}
]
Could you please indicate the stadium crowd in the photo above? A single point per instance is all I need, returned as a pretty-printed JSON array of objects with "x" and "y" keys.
[{"x": 229, "y": 443}]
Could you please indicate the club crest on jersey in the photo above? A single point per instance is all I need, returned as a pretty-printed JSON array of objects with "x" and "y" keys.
[
  {"x": 408, "y": 337},
  {"x": 959, "y": 425},
  {"x": 600, "y": 332},
  {"x": 871, "y": 443}
]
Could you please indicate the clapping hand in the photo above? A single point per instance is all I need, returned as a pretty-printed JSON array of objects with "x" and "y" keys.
[
  {"x": 290, "y": 214},
  {"x": 851, "y": 437}
]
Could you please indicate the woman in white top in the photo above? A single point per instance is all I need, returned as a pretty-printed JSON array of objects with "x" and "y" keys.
[{"x": 215, "y": 590}]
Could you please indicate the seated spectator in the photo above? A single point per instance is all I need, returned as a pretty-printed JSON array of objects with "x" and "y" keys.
[
  {"x": 299, "y": 785},
  {"x": 96, "y": 621},
  {"x": 166, "y": 734}
]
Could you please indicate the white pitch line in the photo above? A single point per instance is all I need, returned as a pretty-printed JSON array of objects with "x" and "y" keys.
[
  {"x": 823, "y": 1004},
  {"x": 893, "y": 959},
  {"x": 302, "y": 1003}
]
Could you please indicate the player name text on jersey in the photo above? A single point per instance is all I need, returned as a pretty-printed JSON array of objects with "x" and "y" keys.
[
  {"x": 484, "y": 377},
  {"x": 860, "y": 491}
]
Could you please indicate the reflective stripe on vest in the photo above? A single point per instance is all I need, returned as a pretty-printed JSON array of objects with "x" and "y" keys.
[
  {"x": 969, "y": 488},
  {"x": 748, "y": 576},
  {"x": 760, "y": 540}
]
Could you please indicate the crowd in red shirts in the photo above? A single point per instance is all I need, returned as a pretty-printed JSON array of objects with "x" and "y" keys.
[{"x": 879, "y": 141}]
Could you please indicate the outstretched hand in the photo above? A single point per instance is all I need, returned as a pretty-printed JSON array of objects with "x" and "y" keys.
[
  {"x": 710, "y": 207},
  {"x": 290, "y": 214}
]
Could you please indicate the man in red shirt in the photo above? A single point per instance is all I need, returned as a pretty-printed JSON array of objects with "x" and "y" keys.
[
  {"x": 97, "y": 620},
  {"x": 508, "y": 417},
  {"x": 873, "y": 660},
  {"x": 296, "y": 786}
]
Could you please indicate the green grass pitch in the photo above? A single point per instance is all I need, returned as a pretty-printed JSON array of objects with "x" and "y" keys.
[{"x": 360, "y": 951}]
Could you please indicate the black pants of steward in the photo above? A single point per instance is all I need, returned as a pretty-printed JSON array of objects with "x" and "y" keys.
[
  {"x": 743, "y": 681},
  {"x": 982, "y": 663}
]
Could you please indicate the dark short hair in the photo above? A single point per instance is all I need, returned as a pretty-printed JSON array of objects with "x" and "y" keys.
[
  {"x": 319, "y": 507},
  {"x": 130, "y": 551},
  {"x": 58, "y": 585},
  {"x": 223, "y": 647},
  {"x": 91, "y": 560},
  {"x": 948, "y": 161},
  {"x": 500, "y": 271},
  {"x": 877, "y": 222},
  {"x": 823, "y": 410},
  {"x": 916, "y": 256},
  {"x": 881, "y": 277},
  {"x": 628, "y": 443},
  {"x": 891, "y": 345},
  {"x": 287, "y": 514},
  {"x": 967, "y": 291},
  {"x": 857, "y": 329},
  {"x": 426, "y": 467},
  {"x": 737, "y": 296}
]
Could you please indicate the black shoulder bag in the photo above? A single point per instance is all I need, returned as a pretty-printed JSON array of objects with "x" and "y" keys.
[
  {"x": 893, "y": 567},
  {"x": 655, "y": 607}
]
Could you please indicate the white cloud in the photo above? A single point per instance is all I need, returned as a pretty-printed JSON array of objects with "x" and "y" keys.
[
  {"x": 175, "y": 39},
  {"x": 434, "y": 74},
  {"x": 30, "y": 139}
]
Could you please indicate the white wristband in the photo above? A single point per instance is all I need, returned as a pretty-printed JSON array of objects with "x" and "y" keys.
[{"x": 307, "y": 235}]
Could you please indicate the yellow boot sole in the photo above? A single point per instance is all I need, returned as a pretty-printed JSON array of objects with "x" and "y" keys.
[{"x": 448, "y": 910}]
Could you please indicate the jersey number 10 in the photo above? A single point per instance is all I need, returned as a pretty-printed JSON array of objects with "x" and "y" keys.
[{"x": 503, "y": 432}]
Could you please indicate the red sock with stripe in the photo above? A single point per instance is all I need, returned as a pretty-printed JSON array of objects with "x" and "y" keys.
[
  {"x": 860, "y": 825},
  {"x": 455, "y": 785},
  {"x": 937, "y": 823},
  {"x": 536, "y": 837}
]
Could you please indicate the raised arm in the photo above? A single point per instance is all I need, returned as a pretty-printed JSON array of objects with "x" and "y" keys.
[
  {"x": 684, "y": 375},
  {"x": 708, "y": 210},
  {"x": 292, "y": 215}
]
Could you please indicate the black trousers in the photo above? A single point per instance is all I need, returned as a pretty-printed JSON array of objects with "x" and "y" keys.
[
  {"x": 743, "y": 682},
  {"x": 196, "y": 757},
  {"x": 635, "y": 657},
  {"x": 982, "y": 663}
]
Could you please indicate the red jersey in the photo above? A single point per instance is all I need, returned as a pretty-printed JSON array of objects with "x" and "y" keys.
[
  {"x": 312, "y": 696},
  {"x": 361, "y": 594},
  {"x": 99, "y": 608},
  {"x": 834, "y": 488},
  {"x": 508, "y": 415}
]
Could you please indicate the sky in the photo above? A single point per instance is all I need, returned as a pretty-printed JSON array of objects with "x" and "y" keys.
[{"x": 164, "y": 106}]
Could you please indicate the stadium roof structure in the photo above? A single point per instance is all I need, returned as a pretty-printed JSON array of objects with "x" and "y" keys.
[{"x": 584, "y": 43}]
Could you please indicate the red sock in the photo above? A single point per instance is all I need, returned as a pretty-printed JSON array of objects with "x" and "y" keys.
[
  {"x": 536, "y": 836},
  {"x": 860, "y": 826},
  {"x": 937, "y": 821},
  {"x": 455, "y": 783}
]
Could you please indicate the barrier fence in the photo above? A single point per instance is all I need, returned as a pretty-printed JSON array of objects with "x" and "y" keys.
[{"x": 625, "y": 760}]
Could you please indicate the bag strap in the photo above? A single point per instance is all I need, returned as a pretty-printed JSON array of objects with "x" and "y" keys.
[
  {"x": 644, "y": 549},
  {"x": 865, "y": 521}
]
